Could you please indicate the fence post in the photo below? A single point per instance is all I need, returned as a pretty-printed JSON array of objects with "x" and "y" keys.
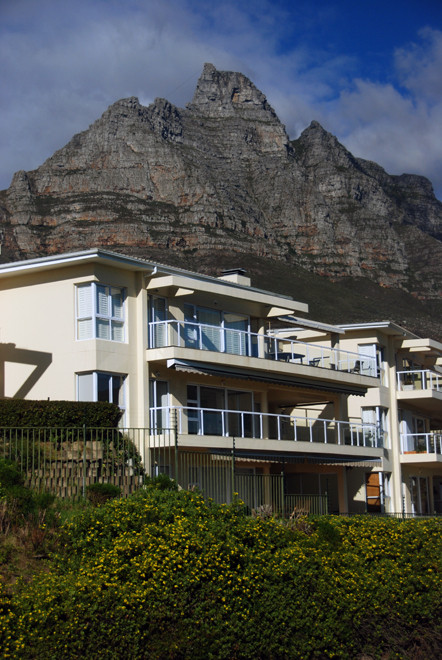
[
  {"x": 84, "y": 460},
  {"x": 282, "y": 495},
  {"x": 175, "y": 430},
  {"x": 233, "y": 468}
]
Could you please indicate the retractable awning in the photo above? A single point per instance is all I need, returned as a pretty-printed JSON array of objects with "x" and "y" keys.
[
  {"x": 203, "y": 369},
  {"x": 283, "y": 458}
]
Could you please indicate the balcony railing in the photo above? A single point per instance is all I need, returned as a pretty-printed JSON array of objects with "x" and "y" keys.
[
  {"x": 423, "y": 379},
  {"x": 246, "y": 424},
  {"x": 422, "y": 443},
  {"x": 250, "y": 344}
]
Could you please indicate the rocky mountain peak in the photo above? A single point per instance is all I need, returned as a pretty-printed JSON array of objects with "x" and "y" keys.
[
  {"x": 317, "y": 146},
  {"x": 227, "y": 94}
]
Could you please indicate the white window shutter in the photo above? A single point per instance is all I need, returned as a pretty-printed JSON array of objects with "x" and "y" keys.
[
  {"x": 84, "y": 300},
  {"x": 117, "y": 303},
  {"x": 117, "y": 331},
  {"x": 84, "y": 312},
  {"x": 84, "y": 329},
  {"x": 102, "y": 301},
  {"x": 103, "y": 329}
]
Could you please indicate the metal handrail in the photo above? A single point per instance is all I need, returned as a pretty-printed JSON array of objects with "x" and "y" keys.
[
  {"x": 247, "y": 424},
  {"x": 421, "y": 443},
  {"x": 419, "y": 379},
  {"x": 251, "y": 344}
]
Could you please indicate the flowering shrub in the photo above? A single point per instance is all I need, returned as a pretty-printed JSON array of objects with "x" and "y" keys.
[{"x": 165, "y": 574}]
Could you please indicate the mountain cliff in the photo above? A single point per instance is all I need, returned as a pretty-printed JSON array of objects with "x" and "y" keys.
[{"x": 219, "y": 184}]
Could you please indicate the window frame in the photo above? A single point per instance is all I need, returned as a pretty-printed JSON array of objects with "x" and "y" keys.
[
  {"x": 95, "y": 316},
  {"x": 222, "y": 328},
  {"x": 122, "y": 388}
]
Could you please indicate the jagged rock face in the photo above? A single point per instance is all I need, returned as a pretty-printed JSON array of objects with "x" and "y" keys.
[{"x": 222, "y": 175}]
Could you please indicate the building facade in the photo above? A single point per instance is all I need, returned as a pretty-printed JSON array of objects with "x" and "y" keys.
[
  {"x": 303, "y": 408},
  {"x": 406, "y": 408}
]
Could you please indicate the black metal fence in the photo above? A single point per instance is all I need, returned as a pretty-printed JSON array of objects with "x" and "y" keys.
[{"x": 66, "y": 461}]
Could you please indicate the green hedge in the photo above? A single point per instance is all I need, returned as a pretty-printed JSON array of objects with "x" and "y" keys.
[
  {"x": 165, "y": 574},
  {"x": 26, "y": 413}
]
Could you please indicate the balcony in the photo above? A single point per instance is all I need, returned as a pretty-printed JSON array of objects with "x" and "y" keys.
[
  {"x": 196, "y": 421},
  {"x": 421, "y": 447},
  {"x": 419, "y": 380},
  {"x": 422, "y": 388},
  {"x": 248, "y": 344}
]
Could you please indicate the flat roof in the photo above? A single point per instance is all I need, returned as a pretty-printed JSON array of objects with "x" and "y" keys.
[{"x": 388, "y": 327}]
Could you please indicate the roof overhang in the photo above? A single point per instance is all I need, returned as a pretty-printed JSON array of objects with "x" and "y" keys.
[
  {"x": 387, "y": 327},
  {"x": 94, "y": 255},
  {"x": 430, "y": 347},
  {"x": 270, "y": 305},
  {"x": 300, "y": 324}
]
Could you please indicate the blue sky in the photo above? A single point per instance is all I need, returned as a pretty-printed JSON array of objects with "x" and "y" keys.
[{"x": 369, "y": 72}]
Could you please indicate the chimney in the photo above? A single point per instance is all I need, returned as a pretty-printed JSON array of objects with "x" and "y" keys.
[{"x": 236, "y": 275}]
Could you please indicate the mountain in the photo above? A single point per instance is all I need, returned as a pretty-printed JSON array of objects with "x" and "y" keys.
[{"x": 219, "y": 184}]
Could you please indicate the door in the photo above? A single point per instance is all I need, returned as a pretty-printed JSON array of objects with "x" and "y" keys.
[
  {"x": 240, "y": 424},
  {"x": 373, "y": 492},
  {"x": 419, "y": 495},
  {"x": 159, "y": 405}
]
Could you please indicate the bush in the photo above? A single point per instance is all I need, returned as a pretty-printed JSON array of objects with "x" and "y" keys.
[
  {"x": 166, "y": 574},
  {"x": 99, "y": 493},
  {"x": 161, "y": 482},
  {"x": 19, "y": 413},
  {"x": 10, "y": 475},
  {"x": 20, "y": 502}
]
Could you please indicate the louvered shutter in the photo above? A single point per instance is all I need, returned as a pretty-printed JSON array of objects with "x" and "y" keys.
[
  {"x": 84, "y": 311},
  {"x": 159, "y": 335},
  {"x": 210, "y": 320},
  {"x": 235, "y": 327}
]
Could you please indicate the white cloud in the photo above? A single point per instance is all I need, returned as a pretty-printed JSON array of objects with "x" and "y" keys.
[
  {"x": 398, "y": 127},
  {"x": 63, "y": 63}
]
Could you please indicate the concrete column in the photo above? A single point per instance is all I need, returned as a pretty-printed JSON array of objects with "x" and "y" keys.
[
  {"x": 342, "y": 490},
  {"x": 141, "y": 417},
  {"x": 395, "y": 440},
  {"x": 334, "y": 342}
]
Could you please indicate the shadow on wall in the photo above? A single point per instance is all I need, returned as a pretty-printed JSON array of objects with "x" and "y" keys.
[{"x": 10, "y": 353}]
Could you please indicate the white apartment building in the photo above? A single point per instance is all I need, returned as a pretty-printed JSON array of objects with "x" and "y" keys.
[{"x": 232, "y": 369}]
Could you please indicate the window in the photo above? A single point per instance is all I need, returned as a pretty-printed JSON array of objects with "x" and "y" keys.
[
  {"x": 207, "y": 412},
  {"x": 158, "y": 322},
  {"x": 377, "y": 417},
  {"x": 159, "y": 404},
  {"x": 100, "y": 312},
  {"x": 213, "y": 330},
  {"x": 99, "y": 386}
]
